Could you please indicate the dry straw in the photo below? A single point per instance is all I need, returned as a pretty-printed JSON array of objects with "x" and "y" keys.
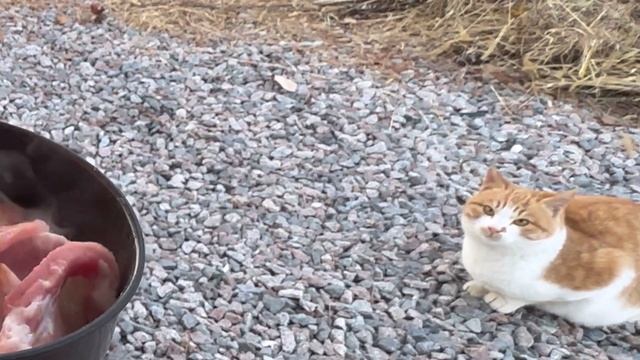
[
  {"x": 586, "y": 47},
  {"x": 208, "y": 19}
]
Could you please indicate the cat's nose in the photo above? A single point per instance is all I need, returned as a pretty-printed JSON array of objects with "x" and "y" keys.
[{"x": 492, "y": 230}]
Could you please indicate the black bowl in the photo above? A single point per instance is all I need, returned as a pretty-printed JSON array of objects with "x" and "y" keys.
[{"x": 37, "y": 173}]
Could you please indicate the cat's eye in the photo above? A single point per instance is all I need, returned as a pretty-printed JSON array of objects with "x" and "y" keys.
[
  {"x": 521, "y": 222},
  {"x": 488, "y": 210}
]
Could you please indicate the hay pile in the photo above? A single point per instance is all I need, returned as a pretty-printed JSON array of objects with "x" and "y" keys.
[
  {"x": 203, "y": 20},
  {"x": 579, "y": 46}
]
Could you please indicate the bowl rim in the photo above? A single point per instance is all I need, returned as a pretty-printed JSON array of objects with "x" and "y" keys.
[{"x": 131, "y": 288}]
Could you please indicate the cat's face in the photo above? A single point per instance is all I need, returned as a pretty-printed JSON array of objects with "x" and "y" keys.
[{"x": 502, "y": 213}]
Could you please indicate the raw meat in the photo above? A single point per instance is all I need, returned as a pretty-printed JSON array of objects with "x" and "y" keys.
[
  {"x": 74, "y": 284},
  {"x": 8, "y": 282},
  {"x": 50, "y": 286},
  {"x": 24, "y": 245}
]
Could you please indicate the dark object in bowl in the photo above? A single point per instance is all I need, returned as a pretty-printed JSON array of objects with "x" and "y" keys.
[{"x": 38, "y": 173}]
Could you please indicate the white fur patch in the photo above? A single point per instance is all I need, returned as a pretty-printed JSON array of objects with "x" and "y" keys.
[{"x": 600, "y": 307}]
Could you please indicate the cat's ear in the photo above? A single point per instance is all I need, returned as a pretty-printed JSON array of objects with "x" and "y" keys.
[
  {"x": 558, "y": 202},
  {"x": 494, "y": 180}
]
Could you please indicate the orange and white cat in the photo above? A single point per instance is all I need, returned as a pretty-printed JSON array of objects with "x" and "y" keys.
[{"x": 574, "y": 256}]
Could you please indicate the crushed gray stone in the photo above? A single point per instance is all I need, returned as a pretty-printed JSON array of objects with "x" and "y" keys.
[{"x": 322, "y": 223}]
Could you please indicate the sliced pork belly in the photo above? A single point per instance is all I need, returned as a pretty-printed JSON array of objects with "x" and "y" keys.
[
  {"x": 24, "y": 245},
  {"x": 8, "y": 282},
  {"x": 74, "y": 284}
]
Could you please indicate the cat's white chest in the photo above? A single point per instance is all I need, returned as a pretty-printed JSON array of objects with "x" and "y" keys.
[
  {"x": 515, "y": 273},
  {"x": 519, "y": 274}
]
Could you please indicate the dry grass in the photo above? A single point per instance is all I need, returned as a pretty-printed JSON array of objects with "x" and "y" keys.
[
  {"x": 208, "y": 19},
  {"x": 580, "y": 47},
  {"x": 583, "y": 47},
  {"x": 588, "y": 48}
]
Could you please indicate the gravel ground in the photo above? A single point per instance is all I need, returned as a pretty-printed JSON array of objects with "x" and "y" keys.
[{"x": 316, "y": 224}]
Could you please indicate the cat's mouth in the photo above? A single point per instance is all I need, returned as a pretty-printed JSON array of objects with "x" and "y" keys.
[
  {"x": 493, "y": 238},
  {"x": 496, "y": 239},
  {"x": 490, "y": 239}
]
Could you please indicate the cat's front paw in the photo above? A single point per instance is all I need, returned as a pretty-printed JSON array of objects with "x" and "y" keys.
[
  {"x": 474, "y": 288},
  {"x": 502, "y": 303}
]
